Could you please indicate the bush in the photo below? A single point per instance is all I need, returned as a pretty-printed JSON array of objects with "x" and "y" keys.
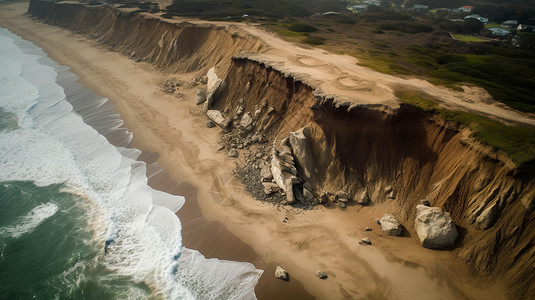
[
  {"x": 302, "y": 27},
  {"x": 314, "y": 40}
]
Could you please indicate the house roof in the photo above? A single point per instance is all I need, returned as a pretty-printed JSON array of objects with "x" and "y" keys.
[{"x": 499, "y": 31}]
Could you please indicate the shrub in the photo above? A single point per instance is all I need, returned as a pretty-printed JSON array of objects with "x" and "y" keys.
[
  {"x": 302, "y": 27},
  {"x": 314, "y": 40}
]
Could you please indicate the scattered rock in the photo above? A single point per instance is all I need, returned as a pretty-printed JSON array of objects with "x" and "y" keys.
[
  {"x": 388, "y": 189},
  {"x": 391, "y": 195},
  {"x": 200, "y": 96},
  {"x": 220, "y": 147},
  {"x": 280, "y": 273},
  {"x": 368, "y": 229},
  {"x": 298, "y": 194},
  {"x": 364, "y": 198},
  {"x": 256, "y": 138},
  {"x": 342, "y": 205},
  {"x": 246, "y": 122},
  {"x": 365, "y": 241},
  {"x": 270, "y": 188},
  {"x": 390, "y": 225},
  {"x": 265, "y": 173},
  {"x": 210, "y": 124},
  {"x": 307, "y": 194},
  {"x": 289, "y": 189},
  {"x": 434, "y": 227},
  {"x": 238, "y": 112},
  {"x": 232, "y": 153},
  {"x": 321, "y": 275},
  {"x": 342, "y": 196},
  {"x": 377, "y": 221},
  {"x": 323, "y": 197},
  {"x": 171, "y": 85},
  {"x": 217, "y": 117}
]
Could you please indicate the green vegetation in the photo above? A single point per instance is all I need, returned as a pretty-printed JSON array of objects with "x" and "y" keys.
[
  {"x": 509, "y": 77},
  {"x": 492, "y": 24},
  {"x": 258, "y": 8},
  {"x": 302, "y": 27},
  {"x": 288, "y": 33},
  {"x": 406, "y": 27},
  {"x": 517, "y": 142},
  {"x": 384, "y": 64},
  {"x": 468, "y": 38},
  {"x": 314, "y": 40}
]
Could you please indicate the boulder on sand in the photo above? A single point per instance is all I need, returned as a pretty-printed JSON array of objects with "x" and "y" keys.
[
  {"x": 434, "y": 227},
  {"x": 270, "y": 187},
  {"x": 301, "y": 151},
  {"x": 390, "y": 225},
  {"x": 280, "y": 273},
  {"x": 217, "y": 117},
  {"x": 200, "y": 96}
]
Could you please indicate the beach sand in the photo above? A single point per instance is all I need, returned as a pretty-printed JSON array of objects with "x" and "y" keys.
[{"x": 221, "y": 220}]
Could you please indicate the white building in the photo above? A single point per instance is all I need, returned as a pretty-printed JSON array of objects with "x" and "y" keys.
[
  {"x": 499, "y": 31},
  {"x": 478, "y": 17}
]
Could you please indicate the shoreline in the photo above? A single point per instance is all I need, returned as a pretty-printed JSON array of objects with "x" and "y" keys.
[
  {"x": 323, "y": 238},
  {"x": 215, "y": 240}
]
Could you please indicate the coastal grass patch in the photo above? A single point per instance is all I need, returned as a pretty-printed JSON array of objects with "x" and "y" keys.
[
  {"x": 314, "y": 40},
  {"x": 492, "y": 24},
  {"x": 383, "y": 62},
  {"x": 508, "y": 78},
  {"x": 517, "y": 142},
  {"x": 468, "y": 38},
  {"x": 302, "y": 27},
  {"x": 289, "y": 33}
]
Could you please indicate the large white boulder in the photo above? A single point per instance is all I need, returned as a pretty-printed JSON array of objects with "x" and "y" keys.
[
  {"x": 214, "y": 87},
  {"x": 217, "y": 117},
  {"x": 301, "y": 150},
  {"x": 390, "y": 225},
  {"x": 434, "y": 227}
]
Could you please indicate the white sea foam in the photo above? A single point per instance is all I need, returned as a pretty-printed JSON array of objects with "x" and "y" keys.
[
  {"x": 30, "y": 221},
  {"x": 54, "y": 145}
]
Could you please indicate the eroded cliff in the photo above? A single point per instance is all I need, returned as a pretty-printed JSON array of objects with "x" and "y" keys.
[{"x": 355, "y": 148}]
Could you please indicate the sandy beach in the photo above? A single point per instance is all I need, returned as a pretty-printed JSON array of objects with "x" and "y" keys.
[{"x": 221, "y": 220}]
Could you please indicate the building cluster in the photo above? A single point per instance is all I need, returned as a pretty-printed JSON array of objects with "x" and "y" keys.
[{"x": 499, "y": 30}]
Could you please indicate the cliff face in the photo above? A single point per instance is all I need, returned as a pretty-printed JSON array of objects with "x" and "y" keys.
[
  {"x": 354, "y": 148},
  {"x": 172, "y": 47},
  {"x": 357, "y": 148}
]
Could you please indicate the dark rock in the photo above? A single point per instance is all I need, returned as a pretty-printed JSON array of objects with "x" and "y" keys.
[
  {"x": 200, "y": 96},
  {"x": 425, "y": 202},
  {"x": 365, "y": 241},
  {"x": 321, "y": 275}
]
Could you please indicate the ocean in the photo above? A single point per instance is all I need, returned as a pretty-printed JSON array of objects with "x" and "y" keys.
[{"x": 78, "y": 219}]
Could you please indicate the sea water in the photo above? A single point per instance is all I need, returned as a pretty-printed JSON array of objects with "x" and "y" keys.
[{"x": 77, "y": 218}]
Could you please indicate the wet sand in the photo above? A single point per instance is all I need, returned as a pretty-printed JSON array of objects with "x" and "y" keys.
[{"x": 213, "y": 240}]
